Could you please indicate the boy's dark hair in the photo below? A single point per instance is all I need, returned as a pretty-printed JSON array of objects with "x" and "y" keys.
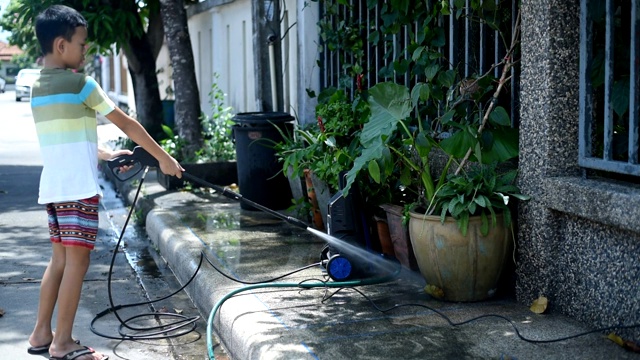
[{"x": 55, "y": 21}]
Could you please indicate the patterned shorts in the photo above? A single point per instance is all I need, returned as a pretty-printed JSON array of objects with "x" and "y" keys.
[{"x": 74, "y": 223}]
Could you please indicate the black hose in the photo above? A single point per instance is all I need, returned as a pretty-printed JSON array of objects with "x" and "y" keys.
[{"x": 182, "y": 326}]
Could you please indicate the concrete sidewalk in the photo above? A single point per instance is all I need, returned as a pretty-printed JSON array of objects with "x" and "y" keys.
[{"x": 287, "y": 322}]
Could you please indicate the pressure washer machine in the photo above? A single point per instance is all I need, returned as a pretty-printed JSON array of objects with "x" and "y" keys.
[{"x": 353, "y": 257}]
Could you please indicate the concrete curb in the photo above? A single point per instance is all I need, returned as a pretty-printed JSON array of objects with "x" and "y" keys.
[{"x": 239, "y": 333}]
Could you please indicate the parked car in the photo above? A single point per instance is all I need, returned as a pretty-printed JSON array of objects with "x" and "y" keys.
[
  {"x": 24, "y": 81},
  {"x": 3, "y": 83}
]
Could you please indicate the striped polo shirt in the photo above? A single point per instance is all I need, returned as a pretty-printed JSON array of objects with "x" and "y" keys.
[{"x": 64, "y": 106}]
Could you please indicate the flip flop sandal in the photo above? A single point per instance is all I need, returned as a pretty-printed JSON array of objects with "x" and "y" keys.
[
  {"x": 77, "y": 353},
  {"x": 39, "y": 350}
]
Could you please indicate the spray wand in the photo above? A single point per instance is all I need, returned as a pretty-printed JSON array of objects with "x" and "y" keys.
[{"x": 140, "y": 159}]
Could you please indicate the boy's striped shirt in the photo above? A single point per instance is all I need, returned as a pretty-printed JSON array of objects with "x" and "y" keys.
[{"x": 64, "y": 106}]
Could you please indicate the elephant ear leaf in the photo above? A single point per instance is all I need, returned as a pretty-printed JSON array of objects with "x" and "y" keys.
[
  {"x": 503, "y": 146},
  {"x": 458, "y": 144},
  {"x": 390, "y": 103},
  {"x": 369, "y": 154}
]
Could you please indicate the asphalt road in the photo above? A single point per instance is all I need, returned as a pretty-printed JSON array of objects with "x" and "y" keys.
[{"x": 25, "y": 251}]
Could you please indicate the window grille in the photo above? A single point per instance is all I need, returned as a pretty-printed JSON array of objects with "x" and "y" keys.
[
  {"x": 470, "y": 46},
  {"x": 609, "y": 85}
]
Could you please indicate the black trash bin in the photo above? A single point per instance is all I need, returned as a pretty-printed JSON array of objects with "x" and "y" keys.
[{"x": 259, "y": 174}]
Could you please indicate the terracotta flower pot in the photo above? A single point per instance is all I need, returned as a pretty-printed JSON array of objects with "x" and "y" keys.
[
  {"x": 399, "y": 234},
  {"x": 464, "y": 268}
]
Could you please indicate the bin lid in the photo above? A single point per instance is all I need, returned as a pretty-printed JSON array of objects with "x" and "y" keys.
[{"x": 260, "y": 118}]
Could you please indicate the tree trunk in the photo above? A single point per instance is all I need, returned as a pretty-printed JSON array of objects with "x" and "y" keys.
[
  {"x": 141, "y": 52},
  {"x": 187, "y": 105},
  {"x": 142, "y": 68}
]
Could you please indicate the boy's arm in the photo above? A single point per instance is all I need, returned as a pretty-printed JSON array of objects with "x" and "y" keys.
[
  {"x": 137, "y": 133},
  {"x": 107, "y": 154}
]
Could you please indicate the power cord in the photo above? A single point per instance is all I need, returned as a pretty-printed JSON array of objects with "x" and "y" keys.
[
  {"x": 261, "y": 281},
  {"x": 455, "y": 324},
  {"x": 185, "y": 325}
]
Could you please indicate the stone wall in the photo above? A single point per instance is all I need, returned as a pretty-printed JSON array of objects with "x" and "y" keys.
[{"x": 578, "y": 238}]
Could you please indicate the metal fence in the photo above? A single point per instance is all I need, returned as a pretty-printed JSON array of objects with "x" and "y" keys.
[
  {"x": 610, "y": 85},
  {"x": 470, "y": 46}
]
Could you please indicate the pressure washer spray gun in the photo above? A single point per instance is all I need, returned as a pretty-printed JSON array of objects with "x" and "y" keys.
[{"x": 343, "y": 258}]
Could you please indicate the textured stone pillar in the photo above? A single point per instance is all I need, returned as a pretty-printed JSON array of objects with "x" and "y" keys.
[
  {"x": 548, "y": 128},
  {"x": 578, "y": 239}
]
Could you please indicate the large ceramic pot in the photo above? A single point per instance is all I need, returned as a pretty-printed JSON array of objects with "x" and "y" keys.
[{"x": 465, "y": 268}]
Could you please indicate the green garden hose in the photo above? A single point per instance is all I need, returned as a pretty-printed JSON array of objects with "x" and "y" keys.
[{"x": 372, "y": 281}]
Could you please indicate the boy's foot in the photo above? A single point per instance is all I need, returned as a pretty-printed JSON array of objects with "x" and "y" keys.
[
  {"x": 38, "y": 350},
  {"x": 42, "y": 349},
  {"x": 83, "y": 353}
]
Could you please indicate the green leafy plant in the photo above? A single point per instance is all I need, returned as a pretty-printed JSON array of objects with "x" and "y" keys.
[
  {"x": 216, "y": 134},
  {"x": 448, "y": 114},
  {"x": 482, "y": 191},
  {"x": 328, "y": 146}
]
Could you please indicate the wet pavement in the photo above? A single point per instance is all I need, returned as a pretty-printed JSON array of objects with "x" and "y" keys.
[{"x": 287, "y": 320}]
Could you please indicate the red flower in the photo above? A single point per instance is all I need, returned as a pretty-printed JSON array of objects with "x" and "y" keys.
[{"x": 321, "y": 124}]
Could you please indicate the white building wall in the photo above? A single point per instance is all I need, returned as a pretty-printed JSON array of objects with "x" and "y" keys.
[
  {"x": 307, "y": 73},
  {"x": 222, "y": 44},
  {"x": 114, "y": 86},
  {"x": 222, "y": 40},
  {"x": 200, "y": 31},
  {"x": 165, "y": 73}
]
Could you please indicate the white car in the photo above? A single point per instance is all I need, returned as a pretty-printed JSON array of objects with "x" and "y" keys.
[
  {"x": 24, "y": 81},
  {"x": 3, "y": 83}
]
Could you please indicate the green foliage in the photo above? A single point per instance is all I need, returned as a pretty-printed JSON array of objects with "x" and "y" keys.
[
  {"x": 124, "y": 143},
  {"x": 216, "y": 133},
  {"x": 481, "y": 191},
  {"x": 329, "y": 146},
  {"x": 444, "y": 111},
  {"x": 216, "y": 130},
  {"x": 174, "y": 145},
  {"x": 344, "y": 38},
  {"x": 115, "y": 23}
]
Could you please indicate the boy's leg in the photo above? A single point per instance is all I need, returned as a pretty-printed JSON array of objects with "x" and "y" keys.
[
  {"x": 77, "y": 263},
  {"x": 77, "y": 230},
  {"x": 49, "y": 288}
]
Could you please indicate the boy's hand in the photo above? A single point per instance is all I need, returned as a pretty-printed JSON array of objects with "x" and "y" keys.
[
  {"x": 170, "y": 166},
  {"x": 107, "y": 154}
]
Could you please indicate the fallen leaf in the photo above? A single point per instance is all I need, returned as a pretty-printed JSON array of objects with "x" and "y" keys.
[
  {"x": 539, "y": 305},
  {"x": 434, "y": 291},
  {"x": 178, "y": 311},
  {"x": 626, "y": 344},
  {"x": 1, "y": 311},
  {"x": 616, "y": 339}
]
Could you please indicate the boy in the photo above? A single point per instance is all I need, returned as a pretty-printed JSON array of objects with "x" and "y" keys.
[{"x": 64, "y": 107}]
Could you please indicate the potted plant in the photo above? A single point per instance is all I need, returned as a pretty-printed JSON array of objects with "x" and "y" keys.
[
  {"x": 318, "y": 152},
  {"x": 457, "y": 120},
  {"x": 215, "y": 160}
]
